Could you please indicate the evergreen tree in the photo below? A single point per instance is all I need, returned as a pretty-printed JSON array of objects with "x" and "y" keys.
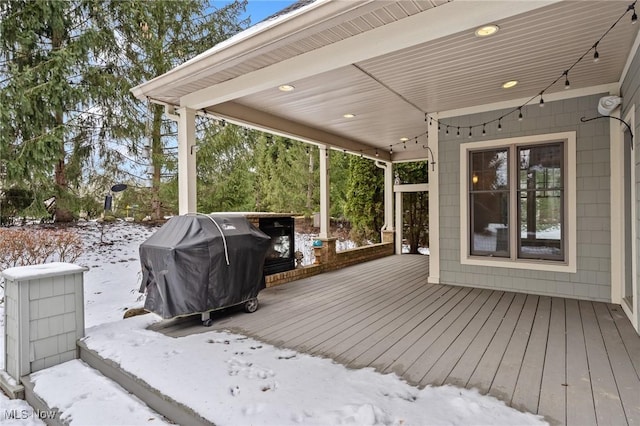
[
  {"x": 226, "y": 176},
  {"x": 415, "y": 205},
  {"x": 287, "y": 176},
  {"x": 153, "y": 37},
  {"x": 67, "y": 69},
  {"x": 365, "y": 199},
  {"x": 48, "y": 51}
]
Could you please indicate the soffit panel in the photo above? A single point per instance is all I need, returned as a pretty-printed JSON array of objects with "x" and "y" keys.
[
  {"x": 381, "y": 119},
  {"x": 457, "y": 72},
  {"x": 297, "y": 44},
  {"x": 463, "y": 70}
]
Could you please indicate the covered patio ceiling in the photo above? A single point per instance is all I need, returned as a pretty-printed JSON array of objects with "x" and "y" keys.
[{"x": 391, "y": 62}]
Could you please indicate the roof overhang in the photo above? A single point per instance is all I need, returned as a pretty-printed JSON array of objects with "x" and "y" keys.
[{"x": 390, "y": 62}]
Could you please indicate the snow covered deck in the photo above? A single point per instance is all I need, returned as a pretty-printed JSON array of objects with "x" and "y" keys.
[{"x": 574, "y": 362}]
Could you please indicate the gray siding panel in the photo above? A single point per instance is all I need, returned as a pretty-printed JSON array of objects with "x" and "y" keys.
[{"x": 593, "y": 278}]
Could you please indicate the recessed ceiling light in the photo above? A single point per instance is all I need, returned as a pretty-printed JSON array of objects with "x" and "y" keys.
[
  {"x": 509, "y": 84},
  {"x": 404, "y": 139},
  {"x": 487, "y": 30},
  {"x": 349, "y": 115},
  {"x": 286, "y": 88}
]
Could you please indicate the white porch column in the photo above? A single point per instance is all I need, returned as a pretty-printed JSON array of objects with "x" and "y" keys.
[
  {"x": 187, "y": 202},
  {"x": 434, "y": 203},
  {"x": 388, "y": 195},
  {"x": 399, "y": 226},
  {"x": 324, "y": 191}
]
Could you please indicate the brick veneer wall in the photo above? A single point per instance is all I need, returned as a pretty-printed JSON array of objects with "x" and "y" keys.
[{"x": 342, "y": 259}]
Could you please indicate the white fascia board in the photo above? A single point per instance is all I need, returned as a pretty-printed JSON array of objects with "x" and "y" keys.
[
  {"x": 260, "y": 120},
  {"x": 260, "y": 37},
  {"x": 432, "y": 24},
  {"x": 515, "y": 103},
  {"x": 632, "y": 54}
]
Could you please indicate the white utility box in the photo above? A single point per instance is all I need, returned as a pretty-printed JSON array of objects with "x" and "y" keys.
[{"x": 44, "y": 316}]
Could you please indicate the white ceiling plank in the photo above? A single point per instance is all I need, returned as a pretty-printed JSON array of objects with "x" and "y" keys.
[
  {"x": 260, "y": 120},
  {"x": 417, "y": 29}
]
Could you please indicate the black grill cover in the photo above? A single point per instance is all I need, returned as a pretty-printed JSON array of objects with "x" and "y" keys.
[{"x": 185, "y": 270}]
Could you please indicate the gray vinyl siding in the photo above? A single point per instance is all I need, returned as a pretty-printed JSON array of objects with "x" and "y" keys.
[
  {"x": 630, "y": 92},
  {"x": 593, "y": 278}
]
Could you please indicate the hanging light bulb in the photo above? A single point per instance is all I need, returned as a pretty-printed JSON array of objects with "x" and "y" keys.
[
  {"x": 377, "y": 154},
  {"x": 404, "y": 145},
  {"x": 447, "y": 130},
  {"x": 520, "y": 114},
  {"x": 566, "y": 80},
  {"x": 416, "y": 139},
  {"x": 484, "y": 130},
  {"x": 634, "y": 17},
  {"x": 596, "y": 55},
  {"x": 425, "y": 117},
  {"x": 458, "y": 134},
  {"x": 500, "y": 124},
  {"x": 470, "y": 134},
  {"x": 438, "y": 126},
  {"x": 541, "y": 101},
  {"x": 390, "y": 149}
]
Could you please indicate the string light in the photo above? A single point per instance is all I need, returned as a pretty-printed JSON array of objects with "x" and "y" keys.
[
  {"x": 447, "y": 131},
  {"x": 484, "y": 130},
  {"x": 565, "y": 74},
  {"x": 377, "y": 154},
  {"x": 390, "y": 149}
]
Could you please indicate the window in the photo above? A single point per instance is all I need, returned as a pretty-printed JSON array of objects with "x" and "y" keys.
[{"x": 516, "y": 196}]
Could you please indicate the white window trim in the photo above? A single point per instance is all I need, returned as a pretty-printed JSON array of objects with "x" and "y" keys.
[{"x": 570, "y": 263}]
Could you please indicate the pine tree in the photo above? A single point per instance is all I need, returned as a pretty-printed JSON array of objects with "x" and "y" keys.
[
  {"x": 365, "y": 199},
  {"x": 48, "y": 51},
  {"x": 152, "y": 38},
  {"x": 415, "y": 205},
  {"x": 226, "y": 175}
]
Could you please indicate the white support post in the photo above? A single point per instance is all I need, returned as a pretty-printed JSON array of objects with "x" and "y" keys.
[
  {"x": 399, "y": 225},
  {"x": 324, "y": 192},
  {"x": 434, "y": 203},
  {"x": 388, "y": 194},
  {"x": 187, "y": 202}
]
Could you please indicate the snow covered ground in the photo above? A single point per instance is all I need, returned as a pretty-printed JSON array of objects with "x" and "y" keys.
[{"x": 227, "y": 378}]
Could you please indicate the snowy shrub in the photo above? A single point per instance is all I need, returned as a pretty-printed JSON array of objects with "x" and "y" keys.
[{"x": 28, "y": 246}]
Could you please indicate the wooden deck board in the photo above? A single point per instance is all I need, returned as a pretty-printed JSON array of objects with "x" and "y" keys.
[
  {"x": 467, "y": 364},
  {"x": 485, "y": 372},
  {"x": 527, "y": 390},
  {"x": 624, "y": 374},
  {"x": 441, "y": 344},
  {"x": 504, "y": 383},
  {"x": 553, "y": 389},
  {"x": 605, "y": 393},
  {"x": 442, "y": 368},
  {"x": 573, "y": 362},
  {"x": 580, "y": 405}
]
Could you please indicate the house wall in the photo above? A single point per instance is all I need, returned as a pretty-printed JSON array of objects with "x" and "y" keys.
[
  {"x": 630, "y": 92},
  {"x": 593, "y": 278}
]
